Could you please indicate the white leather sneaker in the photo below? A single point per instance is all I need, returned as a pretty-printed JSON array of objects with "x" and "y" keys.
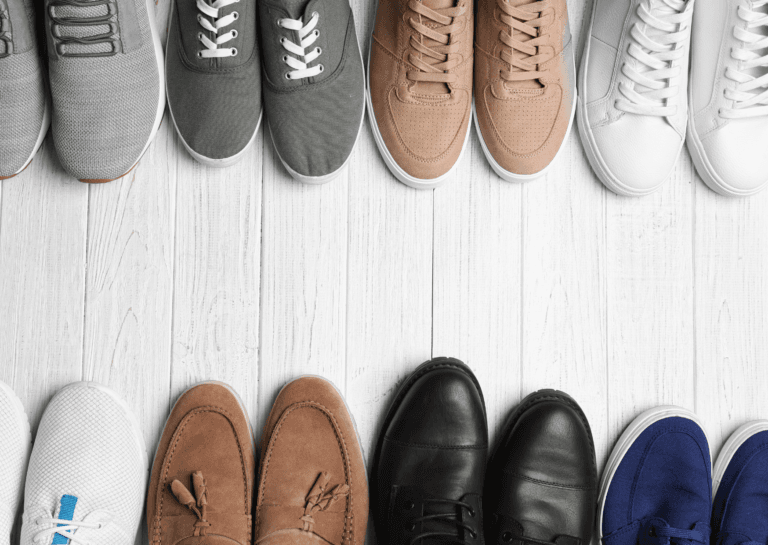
[
  {"x": 632, "y": 106},
  {"x": 87, "y": 473},
  {"x": 728, "y": 125},
  {"x": 14, "y": 453}
]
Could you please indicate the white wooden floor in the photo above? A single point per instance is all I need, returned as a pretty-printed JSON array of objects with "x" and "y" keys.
[{"x": 180, "y": 273}]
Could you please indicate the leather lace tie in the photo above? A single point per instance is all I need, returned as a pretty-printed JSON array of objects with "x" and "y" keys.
[
  {"x": 321, "y": 498},
  {"x": 449, "y": 519},
  {"x": 199, "y": 507}
]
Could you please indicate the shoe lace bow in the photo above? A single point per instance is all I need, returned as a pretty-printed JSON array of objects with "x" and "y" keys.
[
  {"x": 449, "y": 520},
  {"x": 657, "y": 43},
  {"x": 750, "y": 75}
]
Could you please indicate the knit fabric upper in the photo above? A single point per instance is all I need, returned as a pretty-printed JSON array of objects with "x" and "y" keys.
[
  {"x": 740, "y": 510},
  {"x": 104, "y": 107},
  {"x": 662, "y": 489},
  {"x": 86, "y": 448},
  {"x": 14, "y": 452},
  {"x": 215, "y": 102},
  {"x": 22, "y": 87},
  {"x": 314, "y": 121}
]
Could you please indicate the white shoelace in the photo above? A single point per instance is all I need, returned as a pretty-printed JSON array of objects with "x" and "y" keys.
[
  {"x": 212, "y": 48},
  {"x": 657, "y": 44},
  {"x": 67, "y": 529},
  {"x": 308, "y": 34},
  {"x": 751, "y": 75}
]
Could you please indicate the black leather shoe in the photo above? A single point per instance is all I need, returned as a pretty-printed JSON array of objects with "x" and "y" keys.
[
  {"x": 541, "y": 484},
  {"x": 429, "y": 463}
]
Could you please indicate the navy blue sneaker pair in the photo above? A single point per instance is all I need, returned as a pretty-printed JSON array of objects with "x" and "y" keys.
[{"x": 657, "y": 487}]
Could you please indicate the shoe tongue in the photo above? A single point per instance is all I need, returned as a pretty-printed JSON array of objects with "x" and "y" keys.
[
  {"x": 522, "y": 37},
  {"x": 429, "y": 87},
  {"x": 759, "y": 71},
  {"x": 295, "y": 8}
]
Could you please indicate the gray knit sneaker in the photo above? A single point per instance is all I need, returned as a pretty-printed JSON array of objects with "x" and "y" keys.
[
  {"x": 105, "y": 65},
  {"x": 214, "y": 82},
  {"x": 314, "y": 84},
  {"x": 24, "y": 107}
]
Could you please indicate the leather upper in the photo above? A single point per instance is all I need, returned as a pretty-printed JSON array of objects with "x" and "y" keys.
[
  {"x": 433, "y": 448},
  {"x": 204, "y": 459},
  {"x": 312, "y": 486},
  {"x": 542, "y": 481}
]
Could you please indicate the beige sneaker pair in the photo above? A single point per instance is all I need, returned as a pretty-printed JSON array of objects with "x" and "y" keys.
[{"x": 420, "y": 83}]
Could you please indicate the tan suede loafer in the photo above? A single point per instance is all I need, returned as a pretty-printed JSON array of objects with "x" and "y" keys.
[
  {"x": 202, "y": 481},
  {"x": 313, "y": 487}
]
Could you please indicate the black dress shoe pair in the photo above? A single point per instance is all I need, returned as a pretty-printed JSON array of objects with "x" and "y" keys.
[{"x": 433, "y": 483}]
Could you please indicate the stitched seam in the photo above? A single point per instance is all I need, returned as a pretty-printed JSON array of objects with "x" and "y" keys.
[
  {"x": 442, "y": 447},
  {"x": 548, "y": 483}
]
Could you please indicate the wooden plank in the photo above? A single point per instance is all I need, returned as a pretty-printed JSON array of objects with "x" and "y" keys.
[
  {"x": 731, "y": 298},
  {"x": 476, "y": 285},
  {"x": 216, "y": 279},
  {"x": 304, "y": 268},
  {"x": 42, "y": 278},
  {"x": 650, "y": 300}
]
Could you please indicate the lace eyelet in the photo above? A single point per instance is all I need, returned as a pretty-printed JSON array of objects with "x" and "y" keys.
[
  {"x": 315, "y": 14},
  {"x": 200, "y": 36},
  {"x": 409, "y": 505},
  {"x": 319, "y": 51},
  {"x": 316, "y": 33},
  {"x": 473, "y": 534},
  {"x": 287, "y": 75},
  {"x": 506, "y": 537},
  {"x": 412, "y": 527},
  {"x": 234, "y": 52},
  {"x": 471, "y": 513},
  {"x": 285, "y": 58},
  {"x": 322, "y": 68},
  {"x": 282, "y": 40},
  {"x": 235, "y": 15},
  {"x": 278, "y": 23},
  {"x": 199, "y": 54},
  {"x": 234, "y": 34}
]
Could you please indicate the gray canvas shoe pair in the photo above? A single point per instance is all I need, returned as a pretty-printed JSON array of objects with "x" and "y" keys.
[
  {"x": 214, "y": 78},
  {"x": 105, "y": 68},
  {"x": 24, "y": 108},
  {"x": 314, "y": 84}
]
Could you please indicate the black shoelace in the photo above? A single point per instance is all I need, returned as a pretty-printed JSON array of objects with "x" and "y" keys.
[
  {"x": 89, "y": 44},
  {"x": 450, "y": 519}
]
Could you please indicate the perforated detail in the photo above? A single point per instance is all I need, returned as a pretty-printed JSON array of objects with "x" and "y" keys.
[
  {"x": 14, "y": 450},
  {"x": 525, "y": 123}
]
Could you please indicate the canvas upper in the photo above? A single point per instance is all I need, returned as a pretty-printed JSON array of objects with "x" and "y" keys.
[
  {"x": 420, "y": 85},
  {"x": 729, "y": 95},
  {"x": 215, "y": 101},
  {"x": 741, "y": 503},
  {"x": 107, "y": 86},
  {"x": 633, "y": 100},
  {"x": 661, "y": 492},
  {"x": 87, "y": 473},
  {"x": 314, "y": 93},
  {"x": 23, "y": 97},
  {"x": 14, "y": 452},
  {"x": 524, "y": 95}
]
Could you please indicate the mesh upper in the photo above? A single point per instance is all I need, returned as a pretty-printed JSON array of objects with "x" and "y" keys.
[
  {"x": 86, "y": 447},
  {"x": 14, "y": 450},
  {"x": 104, "y": 108}
]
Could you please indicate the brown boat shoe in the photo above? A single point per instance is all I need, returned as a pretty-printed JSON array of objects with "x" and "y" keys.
[
  {"x": 313, "y": 486},
  {"x": 202, "y": 481}
]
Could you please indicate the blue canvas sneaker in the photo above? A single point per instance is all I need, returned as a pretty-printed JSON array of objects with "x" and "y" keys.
[
  {"x": 741, "y": 488},
  {"x": 657, "y": 486}
]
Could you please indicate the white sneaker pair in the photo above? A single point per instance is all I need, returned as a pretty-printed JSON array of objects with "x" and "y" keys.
[
  {"x": 87, "y": 472},
  {"x": 636, "y": 102}
]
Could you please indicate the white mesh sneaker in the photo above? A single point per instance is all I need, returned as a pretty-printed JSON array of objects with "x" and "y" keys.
[
  {"x": 88, "y": 471},
  {"x": 14, "y": 452}
]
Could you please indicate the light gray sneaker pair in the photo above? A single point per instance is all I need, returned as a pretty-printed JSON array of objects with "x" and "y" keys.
[{"x": 106, "y": 85}]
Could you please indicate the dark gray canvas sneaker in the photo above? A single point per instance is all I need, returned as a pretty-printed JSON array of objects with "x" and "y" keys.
[
  {"x": 314, "y": 84},
  {"x": 107, "y": 84},
  {"x": 24, "y": 106},
  {"x": 214, "y": 78}
]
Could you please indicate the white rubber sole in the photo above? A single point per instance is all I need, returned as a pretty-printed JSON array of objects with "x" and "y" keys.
[
  {"x": 625, "y": 442},
  {"x": 136, "y": 432},
  {"x": 394, "y": 168},
  {"x": 705, "y": 170},
  {"x": 734, "y": 442},
  {"x": 40, "y": 137},
  {"x": 508, "y": 176},
  {"x": 20, "y": 415}
]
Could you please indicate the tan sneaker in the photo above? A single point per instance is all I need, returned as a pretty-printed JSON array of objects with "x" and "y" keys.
[
  {"x": 420, "y": 86},
  {"x": 525, "y": 84}
]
